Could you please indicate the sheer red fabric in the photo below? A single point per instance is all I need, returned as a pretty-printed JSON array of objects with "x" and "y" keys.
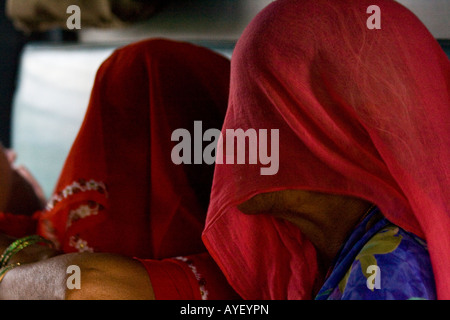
[
  {"x": 119, "y": 190},
  {"x": 195, "y": 277},
  {"x": 360, "y": 112}
]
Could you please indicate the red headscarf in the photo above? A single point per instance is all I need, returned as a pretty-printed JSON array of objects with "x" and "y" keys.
[
  {"x": 360, "y": 112},
  {"x": 119, "y": 190}
]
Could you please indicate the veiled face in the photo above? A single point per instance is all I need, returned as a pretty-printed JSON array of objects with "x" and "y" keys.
[
  {"x": 289, "y": 201},
  {"x": 5, "y": 178}
]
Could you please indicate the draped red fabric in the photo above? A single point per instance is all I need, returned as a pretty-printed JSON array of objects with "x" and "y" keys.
[
  {"x": 119, "y": 191},
  {"x": 361, "y": 112}
]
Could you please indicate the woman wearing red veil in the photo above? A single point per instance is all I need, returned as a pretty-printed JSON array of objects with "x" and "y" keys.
[
  {"x": 359, "y": 208},
  {"x": 119, "y": 195}
]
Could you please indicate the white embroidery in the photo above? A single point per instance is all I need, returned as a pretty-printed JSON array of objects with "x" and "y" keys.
[
  {"x": 76, "y": 187},
  {"x": 200, "y": 279},
  {"x": 81, "y": 212},
  {"x": 80, "y": 244},
  {"x": 88, "y": 209}
]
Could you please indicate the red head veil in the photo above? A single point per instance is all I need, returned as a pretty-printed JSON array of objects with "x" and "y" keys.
[
  {"x": 119, "y": 190},
  {"x": 360, "y": 112}
]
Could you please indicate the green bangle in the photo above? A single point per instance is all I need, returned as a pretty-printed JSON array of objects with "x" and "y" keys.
[
  {"x": 4, "y": 270},
  {"x": 19, "y": 245}
]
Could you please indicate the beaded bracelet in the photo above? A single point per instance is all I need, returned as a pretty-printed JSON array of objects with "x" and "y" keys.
[
  {"x": 18, "y": 245},
  {"x": 4, "y": 270}
]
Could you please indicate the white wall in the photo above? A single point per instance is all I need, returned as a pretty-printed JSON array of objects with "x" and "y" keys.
[{"x": 435, "y": 14}]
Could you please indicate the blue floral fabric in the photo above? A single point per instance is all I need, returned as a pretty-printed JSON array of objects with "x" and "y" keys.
[{"x": 380, "y": 261}]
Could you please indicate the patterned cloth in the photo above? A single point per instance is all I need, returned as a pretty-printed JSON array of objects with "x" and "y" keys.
[{"x": 380, "y": 261}]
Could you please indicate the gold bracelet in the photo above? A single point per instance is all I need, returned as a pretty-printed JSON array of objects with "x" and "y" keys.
[{"x": 4, "y": 270}]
